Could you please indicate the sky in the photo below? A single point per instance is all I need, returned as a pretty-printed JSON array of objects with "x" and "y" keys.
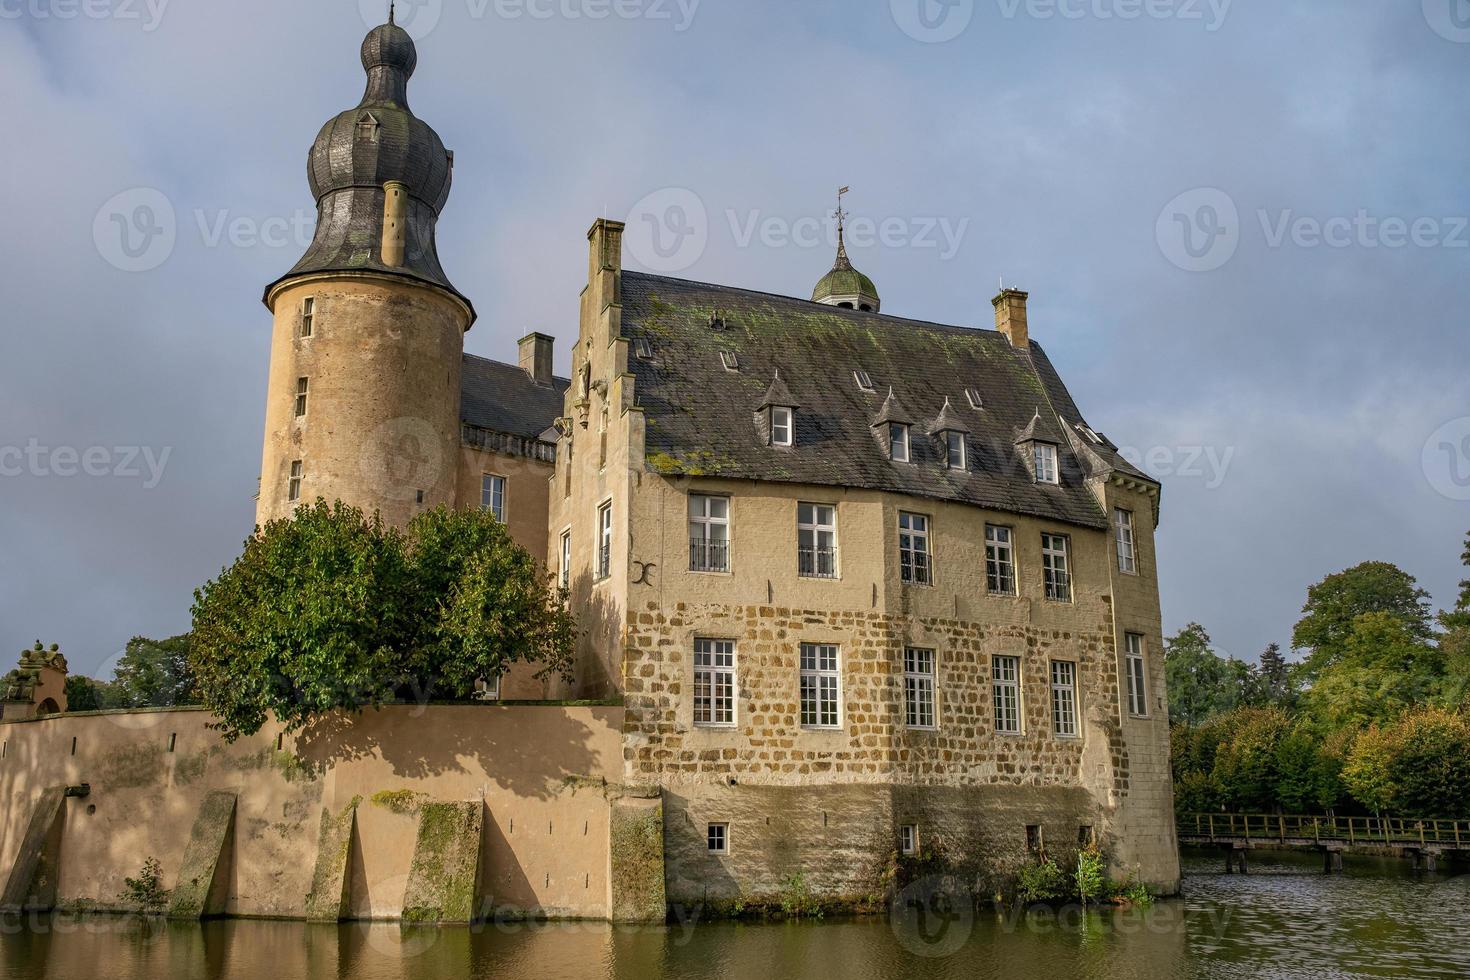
[{"x": 1242, "y": 224}]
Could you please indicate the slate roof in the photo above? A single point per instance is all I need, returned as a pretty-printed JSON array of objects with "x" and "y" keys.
[
  {"x": 503, "y": 398},
  {"x": 702, "y": 420}
]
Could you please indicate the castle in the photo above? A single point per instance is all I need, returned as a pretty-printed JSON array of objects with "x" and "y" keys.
[{"x": 855, "y": 589}]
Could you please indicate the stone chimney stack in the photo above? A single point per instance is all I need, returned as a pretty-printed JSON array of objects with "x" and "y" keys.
[
  {"x": 1010, "y": 317},
  {"x": 536, "y": 351}
]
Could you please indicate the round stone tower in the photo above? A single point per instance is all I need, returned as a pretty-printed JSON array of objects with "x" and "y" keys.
[{"x": 363, "y": 403}]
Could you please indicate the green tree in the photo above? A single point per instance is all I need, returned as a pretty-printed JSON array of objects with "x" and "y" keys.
[
  {"x": 1368, "y": 772},
  {"x": 154, "y": 674},
  {"x": 1246, "y": 769},
  {"x": 86, "y": 694},
  {"x": 332, "y": 610},
  {"x": 1418, "y": 766},
  {"x": 1454, "y": 643},
  {"x": 1200, "y": 683},
  {"x": 1275, "y": 683},
  {"x": 1382, "y": 669},
  {"x": 1334, "y": 604}
]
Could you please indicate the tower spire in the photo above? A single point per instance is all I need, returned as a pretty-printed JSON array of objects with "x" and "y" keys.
[
  {"x": 845, "y": 286},
  {"x": 392, "y": 10},
  {"x": 842, "y": 260}
]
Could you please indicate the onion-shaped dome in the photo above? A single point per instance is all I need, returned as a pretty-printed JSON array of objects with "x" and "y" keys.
[
  {"x": 359, "y": 151},
  {"x": 845, "y": 286}
]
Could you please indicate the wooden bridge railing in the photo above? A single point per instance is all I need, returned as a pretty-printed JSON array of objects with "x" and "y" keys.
[{"x": 1263, "y": 827}]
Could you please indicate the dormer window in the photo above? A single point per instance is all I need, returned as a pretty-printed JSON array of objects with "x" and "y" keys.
[
  {"x": 1046, "y": 463},
  {"x": 955, "y": 451},
  {"x": 782, "y": 427},
  {"x": 367, "y": 127},
  {"x": 898, "y": 442}
]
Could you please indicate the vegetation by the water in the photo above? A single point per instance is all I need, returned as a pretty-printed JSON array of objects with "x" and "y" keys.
[
  {"x": 1373, "y": 717},
  {"x": 146, "y": 892}
]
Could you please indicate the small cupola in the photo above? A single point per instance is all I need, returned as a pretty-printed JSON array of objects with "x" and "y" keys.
[
  {"x": 844, "y": 286},
  {"x": 953, "y": 435},
  {"x": 777, "y": 414},
  {"x": 892, "y": 425},
  {"x": 1040, "y": 444}
]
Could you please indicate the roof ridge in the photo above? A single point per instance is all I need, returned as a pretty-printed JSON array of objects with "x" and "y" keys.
[
  {"x": 507, "y": 364},
  {"x": 985, "y": 331}
]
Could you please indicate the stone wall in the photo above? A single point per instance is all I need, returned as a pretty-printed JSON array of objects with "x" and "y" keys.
[{"x": 541, "y": 780}]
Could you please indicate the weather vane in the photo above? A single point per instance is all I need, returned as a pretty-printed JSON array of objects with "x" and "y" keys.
[{"x": 841, "y": 215}]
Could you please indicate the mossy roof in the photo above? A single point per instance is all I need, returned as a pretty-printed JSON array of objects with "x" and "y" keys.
[{"x": 702, "y": 419}]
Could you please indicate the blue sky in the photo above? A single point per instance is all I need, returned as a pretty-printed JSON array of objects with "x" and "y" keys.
[{"x": 1242, "y": 226}]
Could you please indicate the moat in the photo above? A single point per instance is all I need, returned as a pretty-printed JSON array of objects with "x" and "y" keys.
[{"x": 1285, "y": 919}]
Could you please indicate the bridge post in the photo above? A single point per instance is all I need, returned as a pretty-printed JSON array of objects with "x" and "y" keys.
[{"x": 1331, "y": 861}]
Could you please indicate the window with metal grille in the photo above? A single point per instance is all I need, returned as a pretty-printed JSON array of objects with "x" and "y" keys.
[
  {"x": 914, "y": 565},
  {"x": 1137, "y": 670},
  {"x": 1055, "y": 569},
  {"x": 816, "y": 540},
  {"x": 918, "y": 689},
  {"x": 709, "y": 533},
  {"x": 714, "y": 682},
  {"x": 821, "y": 686},
  {"x": 1000, "y": 560},
  {"x": 1005, "y": 675},
  {"x": 1064, "y": 698}
]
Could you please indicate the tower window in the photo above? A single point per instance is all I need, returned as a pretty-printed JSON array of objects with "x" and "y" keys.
[
  {"x": 293, "y": 486},
  {"x": 1123, "y": 527},
  {"x": 302, "y": 384},
  {"x": 308, "y": 313},
  {"x": 367, "y": 127},
  {"x": 781, "y": 427}
]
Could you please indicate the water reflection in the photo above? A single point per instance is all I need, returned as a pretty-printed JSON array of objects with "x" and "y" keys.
[{"x": 1284, "y": 920}]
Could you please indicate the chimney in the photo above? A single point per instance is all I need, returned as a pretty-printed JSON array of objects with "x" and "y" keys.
[
  {"x": 1010, "y": 317},
  {"x": 536, "y": 349}
]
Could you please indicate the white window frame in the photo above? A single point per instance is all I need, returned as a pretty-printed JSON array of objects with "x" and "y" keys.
[
  {"x": 815, "y": 530},
  {"x": 921, "y": 689},
  {"x": 604, "y": 541},
  {"x": 783, "y": 427},
  {"x": 913, "y": 542},
  {"x": 303, "y": 390},
  {"x": 1005, "y": 687},
  {"x": 715, "y": 668},
  {"x": 908, "y": 839},
  {"x": 293, "y": 481},
  {"x": 704, "y": 542},
  {"x": 820, "y": 686},
  {"x": 491, "y": 486},
  {"x": 955, "y": 445},
  {"x": 308, "y": 315},
  {"x": 1135, "y": 665},
  {"x": 1047, "y": 470},
  {"x": 1000, "y": 560},
  {"x": 488, "y": 690},
  {"x": 1056, "y": 567},
  {"x": 1065, "y": 722},
  {"x": 973, "y": 397},
  {"x": 720, "y": 831},
  {"x": 1123, "y": 531},
  {"x": 566, "y": 559},
  {"x": 898, "y": 442}
]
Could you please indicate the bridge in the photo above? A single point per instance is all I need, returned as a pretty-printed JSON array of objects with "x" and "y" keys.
[{"x": 1425, "y": 841}]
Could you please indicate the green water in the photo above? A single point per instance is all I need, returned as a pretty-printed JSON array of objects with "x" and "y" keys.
[{"x": 1284, "y": 920}]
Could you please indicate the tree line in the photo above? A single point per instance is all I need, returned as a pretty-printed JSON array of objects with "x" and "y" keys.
[{"x": 1371, "y": 715}]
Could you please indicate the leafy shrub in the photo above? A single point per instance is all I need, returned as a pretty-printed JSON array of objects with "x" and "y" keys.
[
  {"x": 1042, "y": 882},
  {"x": 1091, "y": 875},
  {"x": 146, "y": 891},
  {"x": 797, "y": 900}
]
